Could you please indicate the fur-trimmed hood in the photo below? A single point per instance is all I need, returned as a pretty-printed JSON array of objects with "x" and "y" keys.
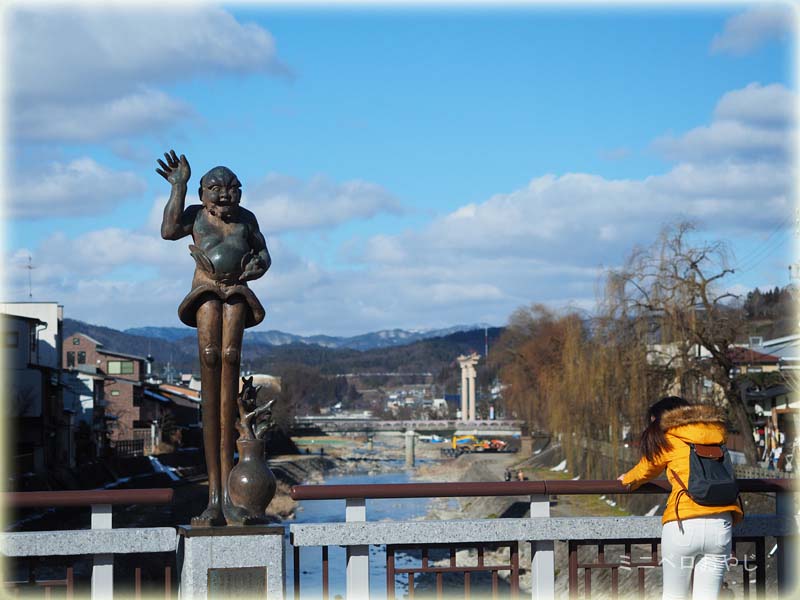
[
  {"x": 698, "y": 424},
  {"x": 687, "y": 415}
]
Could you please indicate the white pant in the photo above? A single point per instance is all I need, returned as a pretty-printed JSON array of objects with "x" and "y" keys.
[{"x": 704, "y": 545}]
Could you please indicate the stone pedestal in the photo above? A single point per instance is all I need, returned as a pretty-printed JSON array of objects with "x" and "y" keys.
[{"x": 231, "y": 562}]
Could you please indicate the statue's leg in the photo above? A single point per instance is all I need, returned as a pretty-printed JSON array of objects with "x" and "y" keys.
[
  {"x": 234, "y": 313},
  {"x": 209, "y": 338}
]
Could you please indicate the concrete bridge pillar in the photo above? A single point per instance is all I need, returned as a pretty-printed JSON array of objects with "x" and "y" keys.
[
  {"x": 468, "y": 377},
  {"x": 410, "y": 435},
  {"x": 472, "y": 374},
  {"x": 464, "y": 395},
  {"x": 525, "y": 446}
]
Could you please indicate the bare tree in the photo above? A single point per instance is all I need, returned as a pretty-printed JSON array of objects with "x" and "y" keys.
[
  {"x": 675, "y": 288},
  {"x": 664, "y": 325}
]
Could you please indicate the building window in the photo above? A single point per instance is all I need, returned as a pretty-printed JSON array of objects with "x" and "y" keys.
[
  {"x": 11, "y": 339},
  {"x": 70, "y": 359},
  {"x": 120, "y": 367},
  {"x": 76, "y": 341},
  {"x": 115, "y": 392},
  {"x": 81, "y": 357}
]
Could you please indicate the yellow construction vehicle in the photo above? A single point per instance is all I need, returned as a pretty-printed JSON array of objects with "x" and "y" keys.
[{"x": 467, "y": 443}]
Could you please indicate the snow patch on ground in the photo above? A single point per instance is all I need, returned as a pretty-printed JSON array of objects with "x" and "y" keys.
[
  {"x": 562, "y": 466},
  {"x": 159, "y": 468}
]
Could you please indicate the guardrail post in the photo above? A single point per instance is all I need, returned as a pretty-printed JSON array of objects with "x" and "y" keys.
[
  {"x": 103, "y": 564},
  {"x": 357, "y": 556},
  {"x": 787, "y": 553},
  {"x": 543, "y": 567}
]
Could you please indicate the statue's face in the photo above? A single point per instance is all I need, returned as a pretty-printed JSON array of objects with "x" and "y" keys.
[{"x": 221, "y": 192}]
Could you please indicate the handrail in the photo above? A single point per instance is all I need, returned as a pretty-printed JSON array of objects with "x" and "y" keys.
[
  {"x": 507, "y": 488},
  {"x": 86, "y": 498}
]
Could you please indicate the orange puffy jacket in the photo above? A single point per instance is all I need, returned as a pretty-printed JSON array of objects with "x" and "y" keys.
[{"x": 698, "y": 424}]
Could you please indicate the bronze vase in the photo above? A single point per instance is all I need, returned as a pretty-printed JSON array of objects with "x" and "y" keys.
[{"x": 251, "y": 485}]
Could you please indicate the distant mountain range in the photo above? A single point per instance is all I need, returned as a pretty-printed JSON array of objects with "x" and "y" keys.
[
  {"x": 367, "y": 341},
  {"x": 271, "y": 351}
]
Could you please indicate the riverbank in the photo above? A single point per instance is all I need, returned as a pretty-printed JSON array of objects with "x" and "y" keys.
[{"x": 331, "y": 456}]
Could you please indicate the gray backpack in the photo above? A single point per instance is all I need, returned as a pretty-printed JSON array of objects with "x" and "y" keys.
[{"x": 712, "y": 481}]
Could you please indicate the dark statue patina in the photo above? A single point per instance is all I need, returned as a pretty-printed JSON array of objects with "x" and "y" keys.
[
  {"x": 229, "y": 250},
  {"x": 251, "y": 484}
]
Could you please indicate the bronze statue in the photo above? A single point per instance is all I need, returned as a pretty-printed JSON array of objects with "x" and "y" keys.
[
  {"x": 229, "y": 250},
  {"x": 251, "y": 484}
]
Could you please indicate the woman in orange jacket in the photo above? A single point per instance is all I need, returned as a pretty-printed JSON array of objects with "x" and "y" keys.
[{"x": 694, "y": 537}]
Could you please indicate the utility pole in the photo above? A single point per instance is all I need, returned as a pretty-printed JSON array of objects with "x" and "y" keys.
[
  {"x": 29, "y": 267},
  {"x": 794, "y": 268}
]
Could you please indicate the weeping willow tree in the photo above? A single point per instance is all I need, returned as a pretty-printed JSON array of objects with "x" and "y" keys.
[
  {"x": 677, "y": 288},
  {"x": 528, "y": 350},
  {"x": 586, "y": 379},
  {"x": 662, "y": 326}
]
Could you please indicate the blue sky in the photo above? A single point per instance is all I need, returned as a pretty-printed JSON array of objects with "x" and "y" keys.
[{"x": 410, "y": 167}]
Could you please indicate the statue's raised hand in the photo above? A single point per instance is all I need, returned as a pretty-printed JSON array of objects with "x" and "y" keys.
[{"x": 175, "y": 170}]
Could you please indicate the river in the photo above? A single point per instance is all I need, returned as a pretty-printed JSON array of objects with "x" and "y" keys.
[{"x": 331, "y": 511}]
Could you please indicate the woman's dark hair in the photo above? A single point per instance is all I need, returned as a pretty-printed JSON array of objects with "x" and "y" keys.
[{"x": 653, "y": 441}]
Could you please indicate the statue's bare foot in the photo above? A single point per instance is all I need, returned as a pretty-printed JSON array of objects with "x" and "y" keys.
[
  {"x": 236, "y": 515},
  {"x": 210, "y": 517}
]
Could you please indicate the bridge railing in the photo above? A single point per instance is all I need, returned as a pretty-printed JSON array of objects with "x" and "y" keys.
[
  {"x": 48, "y": 551},
  {"x": 443, "y": 555},
  {"x": 372, "y": 424},
  {"x": 433, "y": 550}
]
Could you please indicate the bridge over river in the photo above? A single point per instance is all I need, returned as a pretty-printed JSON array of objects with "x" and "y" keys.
[{"x": 340, "y": 424}]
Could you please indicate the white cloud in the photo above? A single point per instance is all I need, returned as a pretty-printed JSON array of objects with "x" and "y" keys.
[
  {"x": 292, "y": 204},
  {"x": 78, "y": 188},
  {"x": 285, "y": 204},
  {"x": 547, "y": 241},
  {"x": 726, "y": 139},
  {"x": 551, "y": 239},
  {"x": 758, "y": 105},
  {"x": 585, "y": 220},
  {"x": 750, "y": 124},
  {"x": 103, "y": 81},
  {"x": 112, "y": 49},
  {"x": 100, "y": 252},
  {"x": 148, "y": 110},
  {"x": 747, "y": 31}
]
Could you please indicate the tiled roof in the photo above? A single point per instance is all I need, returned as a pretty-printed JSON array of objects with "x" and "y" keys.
[
  {"x": 747, "y": 356},
  {"x": 122, "y": 354},
  {"x": 167, "y": 388},
  {"x": 88, "y": 337}
]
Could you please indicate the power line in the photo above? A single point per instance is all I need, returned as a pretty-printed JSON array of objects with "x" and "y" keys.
[
  {"x": 765, "y": 252},
  {"x": 765, "y": 244}
]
